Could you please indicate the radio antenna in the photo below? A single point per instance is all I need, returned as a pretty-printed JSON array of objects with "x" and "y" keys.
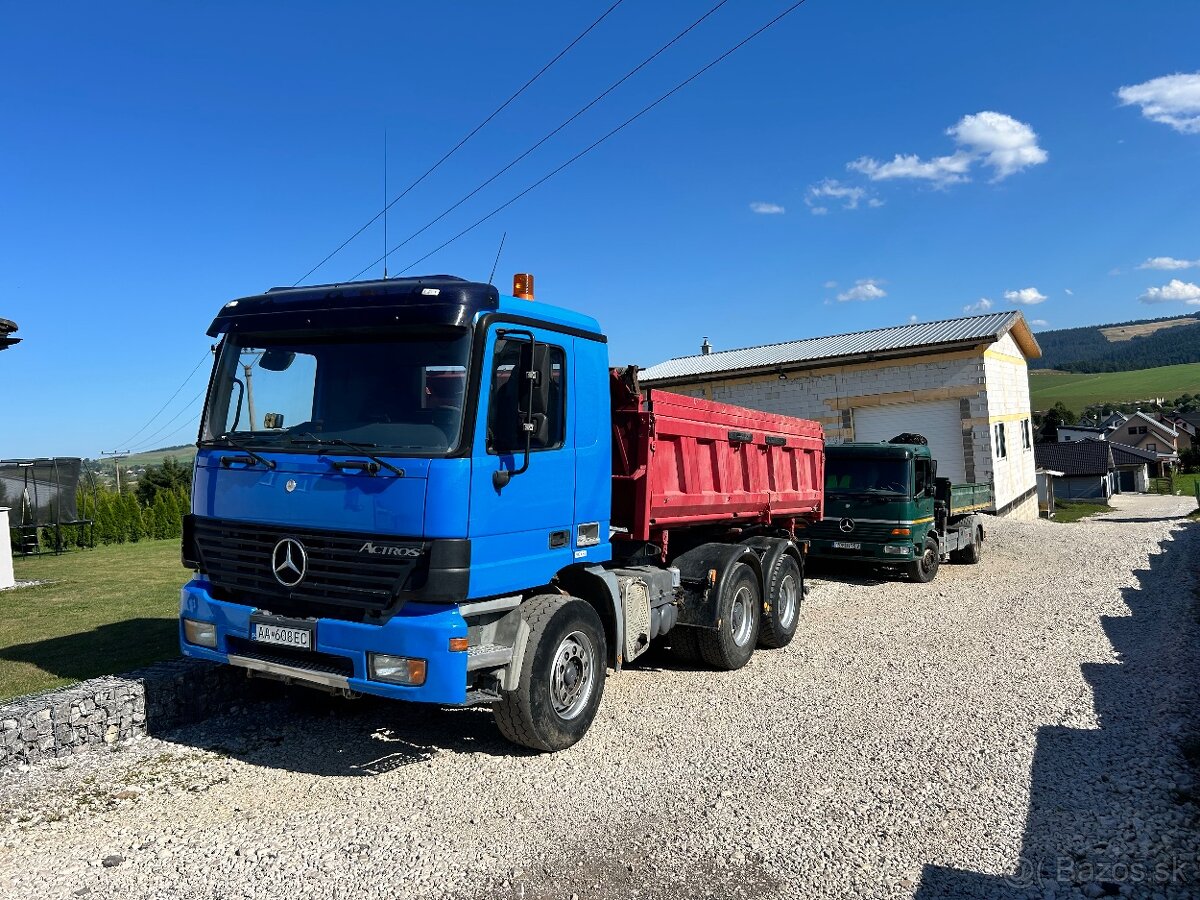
[
  {"x": 497, "y": 262},
  {"x": 385, "y": 205}
]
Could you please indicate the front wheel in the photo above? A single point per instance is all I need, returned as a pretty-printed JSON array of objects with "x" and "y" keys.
[
  {"x": 562, "y": 675},
  {"x": 924, "y": 568}
]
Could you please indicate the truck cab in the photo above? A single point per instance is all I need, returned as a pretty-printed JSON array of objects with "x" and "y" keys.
[{"x": 885, "y": 506}]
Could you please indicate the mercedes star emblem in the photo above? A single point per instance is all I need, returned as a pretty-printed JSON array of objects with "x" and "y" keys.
[
  {"x": 290, "y": 486},
  {"x": 289, "y": 561},
  {"x": 846, "y": 525}
]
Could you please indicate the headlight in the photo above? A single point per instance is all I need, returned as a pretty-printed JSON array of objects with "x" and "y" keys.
[
  {"x": 202, "y": 634},
  {"x": 396, "y": 669},
  {"x": 897, "y": 549}
]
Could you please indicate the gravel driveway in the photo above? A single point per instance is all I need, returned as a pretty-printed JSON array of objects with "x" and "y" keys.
[{"x": 1011, "y": 730}]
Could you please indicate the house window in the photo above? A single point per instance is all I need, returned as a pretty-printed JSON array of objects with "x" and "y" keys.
[
  {"x": 1138, "y": 429},
  {"x": 1001, "y": 448},
  {"x": 1153, "y": 448},
  {"x": 1026, "y": 431}
]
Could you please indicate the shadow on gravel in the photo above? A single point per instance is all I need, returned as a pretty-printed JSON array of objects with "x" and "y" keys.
[
  {"x": 1101, "y": 520},
  {"x": 307, "y": 731},
  {"x": 1107, "y": 805}
]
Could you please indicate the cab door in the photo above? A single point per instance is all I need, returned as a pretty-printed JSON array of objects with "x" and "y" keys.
[
  {"x": 521, "y": 524},
  {"x": 923, "y": 500}
]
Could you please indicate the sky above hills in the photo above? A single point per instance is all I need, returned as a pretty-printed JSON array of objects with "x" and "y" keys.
[{"x": 855, "y": 166}]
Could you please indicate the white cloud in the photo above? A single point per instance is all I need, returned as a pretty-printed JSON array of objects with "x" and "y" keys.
[
  {"x": 1170, "y": 100},
  {"x": 912, "y": 319},
  {"x": 1029, "y": 296},
  {"x": 864, "y": 289},
  {"x": 1068, "y": 292},
  {"x": 848, "y": 195},
  {"x": 991, "y": 139},
  {"x": 940, "y": 170},
  {"x": 830, "y": 285},
  {"x": 1173, "y": 290},
  {"x": 1169, "y": 263},
  {"x": 767, "y": 209},
  {"x": 982, "y": 306},
  {"x": 999, "y": 141},
  {"x": 1038, "y": 323}
]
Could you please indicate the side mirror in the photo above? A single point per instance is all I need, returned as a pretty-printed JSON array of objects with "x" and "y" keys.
[
  {"x": 532, "y": 403},
  {"x": 276, "y": 360}
]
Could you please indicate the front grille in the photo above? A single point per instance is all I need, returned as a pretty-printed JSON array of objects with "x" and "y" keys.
[
  {"x": 308, "y": 660},
  {"x": 237, "y": 557},
  {"x": 871, "y": 532}
]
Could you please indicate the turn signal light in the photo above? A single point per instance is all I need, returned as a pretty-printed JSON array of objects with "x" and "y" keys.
[
  {"x": 902, "y": 532},
  {"x": 458, "y": 645},
  {"x": 523, "y": 286}
]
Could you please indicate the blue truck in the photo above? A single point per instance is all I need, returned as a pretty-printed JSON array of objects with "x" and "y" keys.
[{"x": 422, "y": 489}]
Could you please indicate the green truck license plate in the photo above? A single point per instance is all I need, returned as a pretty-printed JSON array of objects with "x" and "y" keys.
[{"x": 846, "y": 545}]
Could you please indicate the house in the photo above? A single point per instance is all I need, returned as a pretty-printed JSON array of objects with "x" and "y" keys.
[
  {"x": 1081, "y": 432},
  {"x": 1088, "y": 471},
  {"x": 1184, "y": 426},
  {"x": 1113, "y": 420},
  {"x": 1133, "y": 466},
  {"x": 1145, "y": 432},
  {"x": 962, "y": 383}
]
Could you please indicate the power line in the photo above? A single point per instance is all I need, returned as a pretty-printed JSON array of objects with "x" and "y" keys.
[
  {"x": 474, "y": 131},
  {"x": 154, "y": 438},
  {"x": 190, "y": 423},
  {"x": 129, "y": 441},
  {"x": 616, "y": 84},
  {"x": 599, "y": 141}
]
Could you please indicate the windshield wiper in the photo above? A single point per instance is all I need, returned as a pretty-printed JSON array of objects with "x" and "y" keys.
[
  {"x": 310, "y": 438},
  {"x": 269, "y": 463}
]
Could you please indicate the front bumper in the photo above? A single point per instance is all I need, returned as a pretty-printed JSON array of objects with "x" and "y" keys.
[
  {"x": 419, "y": 630},
  {"x": 870, "y": 552}
]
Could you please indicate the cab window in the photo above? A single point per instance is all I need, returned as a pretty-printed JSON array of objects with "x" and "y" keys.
[{"x": 508, "y": 397}]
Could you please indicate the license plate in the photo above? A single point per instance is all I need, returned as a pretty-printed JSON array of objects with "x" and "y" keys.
[
  {"x": 284, "y": 635},
  {"x": 846, "y": 545}
]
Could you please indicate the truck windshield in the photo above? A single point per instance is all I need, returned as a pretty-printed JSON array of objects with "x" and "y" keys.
[
  {"x": 865, "y": 475},
  {"x": 401, "y": 393}
]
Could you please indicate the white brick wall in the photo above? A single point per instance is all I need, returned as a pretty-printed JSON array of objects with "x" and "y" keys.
[{"x": 1008, "y": 404}]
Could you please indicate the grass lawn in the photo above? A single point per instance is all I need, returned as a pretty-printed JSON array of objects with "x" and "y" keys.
[
  {"x": 1074, "y": 510},
  {"x": 107, "y": 610},
  {"x": 1078, "y": 389}
]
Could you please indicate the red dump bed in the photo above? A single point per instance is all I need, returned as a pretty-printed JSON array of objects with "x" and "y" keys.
[{"x": 680, "y": 461}]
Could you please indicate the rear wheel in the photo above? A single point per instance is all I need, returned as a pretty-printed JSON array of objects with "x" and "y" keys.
[
  {"x": 730, "y": 646},
  {"x": 973, "y": 553},
  {"x": 924, "y": 568},
  {"x": 781, "y": 609},
  {"x": 562, "y": 675}
]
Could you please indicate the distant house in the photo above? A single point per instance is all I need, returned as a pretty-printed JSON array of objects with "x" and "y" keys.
[
  {"x": 1133, "y": 467},
  {"x": 1081, "y": 432},
  {"x": 1186, "y": 428},
  {"x": 1113, "y": 420},
  {"x": 1088, "y": 471},
  {"x": 1147, "y": 433}
]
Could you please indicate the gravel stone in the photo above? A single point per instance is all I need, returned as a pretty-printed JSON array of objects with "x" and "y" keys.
[{"x": 1018, "y": 729}]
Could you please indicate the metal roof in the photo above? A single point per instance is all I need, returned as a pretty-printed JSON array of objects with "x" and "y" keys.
[{"x": 889, "y": 341}]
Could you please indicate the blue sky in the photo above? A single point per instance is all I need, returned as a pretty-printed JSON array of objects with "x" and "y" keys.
[{"x": 159, "y": 159}]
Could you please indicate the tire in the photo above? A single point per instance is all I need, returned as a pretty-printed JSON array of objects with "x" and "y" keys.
[
  {"x": 562, "y": 676},
  {"x": 925, "y": 568},
  {"x": 781, "y": 607},
  {"x": 970, "y": 555},
  {"x": 731, "y": 644}
]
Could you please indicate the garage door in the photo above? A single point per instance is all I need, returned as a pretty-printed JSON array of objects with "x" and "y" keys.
[{"x": 940, "y": 422}]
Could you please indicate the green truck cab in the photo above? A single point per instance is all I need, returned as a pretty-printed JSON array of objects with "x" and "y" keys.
[{"x": 885, "y": 506}]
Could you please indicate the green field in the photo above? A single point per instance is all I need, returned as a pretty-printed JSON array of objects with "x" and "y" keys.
[
  {"x": 103, "y": 611},
  {"x": 1078, "y": 390},
  {"x": 184, "y": 454}
]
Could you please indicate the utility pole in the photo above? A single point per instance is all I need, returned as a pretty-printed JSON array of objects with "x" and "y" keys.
[{"x": 116, "y": 456}]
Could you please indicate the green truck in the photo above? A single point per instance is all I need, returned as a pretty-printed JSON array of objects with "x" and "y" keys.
[{"x": 885, "y": 506}]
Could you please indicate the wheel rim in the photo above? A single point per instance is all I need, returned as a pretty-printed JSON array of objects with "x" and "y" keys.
[
  {"x": 741, "y": 616},
  {"x": 572, "y": 676},
  {"x": 787, "y": 601},
  {"x": 927, "y": 560}
]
